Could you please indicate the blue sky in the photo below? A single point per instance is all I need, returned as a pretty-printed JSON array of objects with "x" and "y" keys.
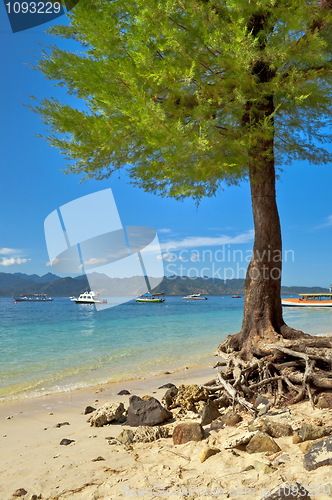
[{"x": 214, "y": 239}]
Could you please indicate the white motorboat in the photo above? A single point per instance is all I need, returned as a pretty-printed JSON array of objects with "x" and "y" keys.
[
  {"x": 194, "y": 296},
  {"x": 88, "y": 298},
  {"x": 151, "y": 297}
]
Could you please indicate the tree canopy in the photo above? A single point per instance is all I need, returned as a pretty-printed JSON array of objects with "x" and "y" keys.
[
  {"x": 173, "y": 89},
  {"x": 190, "y": 95}
]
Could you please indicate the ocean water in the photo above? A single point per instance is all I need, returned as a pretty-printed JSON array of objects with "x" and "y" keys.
[{"x": 59, "y": 345}]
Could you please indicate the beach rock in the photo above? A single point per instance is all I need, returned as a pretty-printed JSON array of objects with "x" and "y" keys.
[
  {"x": 167, "y": 386},
  {"x": 308, "y": 432},
  {"x": 66, "y": 442},
  {"x": 207, "y": 453},
  {"x": 20, "y": 492},
  {"x": 249, "y": 467},
  {"x": 124, "y": 392},
  {"x": 288, "y": 491},
  {"x": 262, "y": 405},
  {"x": 306, "y": 445},
  {"x": 113, "y": 441},
  {"x": 262, "y": 442},
  {"x": 240, "y": 440},
  {"x": 89, "y": 409},
  {"x": 189, "y": 395},
  {"x": 260, "y": 400},
  {"x": 210, "y": 412},
  {"x": 187, "y": 432},
  {"x": 231, "y": 419},
  {"x": 169, "y": 396},
  {"x": 126, "y": 436},
  {"x": 282, "y": 459},
  {"x": 149, "y": 412},
  {"x": 149, "y": 434},
  {"x": 110, "y": 412},
  {"x": 271, "y": 427},
  {"x": 98, "y": 459},
  {"x": 60, "y": 424},
  {"x": 319, "y": 454},
  {"x": 324, "y": 400},
  {"x": 262, "y": 467}
]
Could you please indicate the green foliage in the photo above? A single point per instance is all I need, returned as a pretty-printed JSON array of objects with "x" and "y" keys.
[{"x": 176, "y": 91}]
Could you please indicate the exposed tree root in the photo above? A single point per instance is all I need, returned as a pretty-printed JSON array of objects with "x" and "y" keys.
[{"x": 286, "y": 368}]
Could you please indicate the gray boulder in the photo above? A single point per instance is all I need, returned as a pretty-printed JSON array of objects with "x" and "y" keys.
[
  {"x": 319, "y": 454},
  {"x": 149, "y": 412},
  {"x": 210, "y": 412}
]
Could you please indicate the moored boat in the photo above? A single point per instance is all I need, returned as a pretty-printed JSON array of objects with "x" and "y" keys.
[
  {"x": 309, "y": 300},
  {"x": 35, "y": 297},
  {"x": 236, "y": 296},
  {"x": 151, "y": 297},
  {"x": 88, "y": 298},
  {"x": 194, "y": 296}
]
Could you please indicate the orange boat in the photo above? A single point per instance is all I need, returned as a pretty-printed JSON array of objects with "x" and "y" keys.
[{"x": 310, "y": 300}]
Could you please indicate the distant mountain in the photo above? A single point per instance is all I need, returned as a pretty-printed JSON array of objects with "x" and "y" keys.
[
  {"x": 54, "y": 286},
  {"x": 46, "y": 278},
  {"x": 19, "y": 283}
]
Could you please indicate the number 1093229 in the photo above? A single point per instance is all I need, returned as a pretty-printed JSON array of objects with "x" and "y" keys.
[{"x": 33, "y": 7}]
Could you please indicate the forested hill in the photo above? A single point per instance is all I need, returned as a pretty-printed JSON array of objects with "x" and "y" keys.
[{"x": 19, "y": 283}]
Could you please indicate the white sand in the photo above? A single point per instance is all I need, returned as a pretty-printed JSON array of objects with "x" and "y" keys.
[{"x": 32, "y": 458}]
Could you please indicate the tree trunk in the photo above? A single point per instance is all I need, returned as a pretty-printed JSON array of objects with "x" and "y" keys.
[
  {"x": 267, "y": 355},
  {"x": 263, "y": 321},
  {"x": 262, "y": 308}
]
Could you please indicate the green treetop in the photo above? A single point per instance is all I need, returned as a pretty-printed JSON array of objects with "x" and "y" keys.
[
  {"x": 192, "y": 95},
  {"x": 172, "y": 89}
]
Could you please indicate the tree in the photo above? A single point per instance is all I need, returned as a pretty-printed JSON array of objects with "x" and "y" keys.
[{"x": 193, "y": 95}]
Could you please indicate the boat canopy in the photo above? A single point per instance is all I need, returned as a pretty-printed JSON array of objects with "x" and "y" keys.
[{"x": 315, "y": 295}]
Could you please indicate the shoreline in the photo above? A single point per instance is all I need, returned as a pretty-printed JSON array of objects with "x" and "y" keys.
[
  {"x": 106, "y": 389},
  {"x": 30, "y": 395},
  {"x": 94, "y": 465}
]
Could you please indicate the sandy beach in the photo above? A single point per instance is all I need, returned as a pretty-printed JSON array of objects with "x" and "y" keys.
[{"x": 96, "y": 466}]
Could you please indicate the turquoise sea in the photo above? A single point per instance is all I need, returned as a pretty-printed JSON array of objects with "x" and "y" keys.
[{"x": 59, "y": 345}]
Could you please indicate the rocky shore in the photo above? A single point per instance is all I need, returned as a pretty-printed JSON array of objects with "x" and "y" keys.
[{"x": 163, "y": 438}]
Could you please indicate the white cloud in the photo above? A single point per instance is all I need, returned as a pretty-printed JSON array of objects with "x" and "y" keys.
[
  {"x": 327, "y": 223},
  {"x": 93, "y": 261},
  {"x": 164, "y": 230},
  {"x": 6, "y": 251},
  {"x": 53, "y": 263},
  {"x": 168, "y": 256},
  {"x": 11, "y": 261},
  {"x": 207, "y": 241}
]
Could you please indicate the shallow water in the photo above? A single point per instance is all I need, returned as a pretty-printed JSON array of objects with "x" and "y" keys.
[{"x": 57, "y": 346}]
